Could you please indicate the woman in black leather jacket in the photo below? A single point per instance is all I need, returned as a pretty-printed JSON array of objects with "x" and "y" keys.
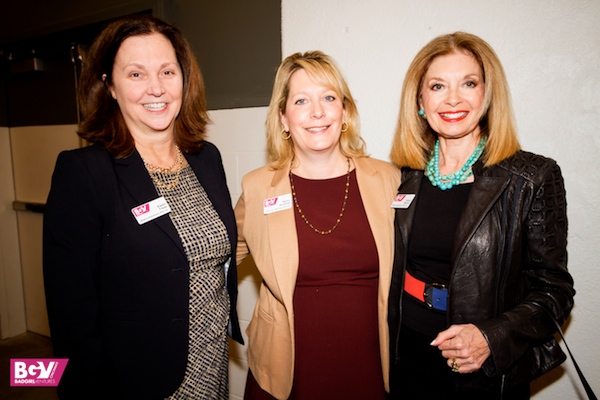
[{"x": 480, "y": 263}]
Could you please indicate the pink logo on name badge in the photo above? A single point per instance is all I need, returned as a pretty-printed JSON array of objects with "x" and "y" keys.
[
  {"x": 400, "y": 197},
  {"x": 36, "y": 371},
  {"x": 271, "y": 202},
  {"x": 141, "y": 210}
]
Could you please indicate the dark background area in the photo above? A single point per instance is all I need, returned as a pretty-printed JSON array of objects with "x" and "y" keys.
[{"x": 237, "y": 43}]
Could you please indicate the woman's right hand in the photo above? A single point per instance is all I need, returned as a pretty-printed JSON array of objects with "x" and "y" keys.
[{"x": 464, "y": 347}]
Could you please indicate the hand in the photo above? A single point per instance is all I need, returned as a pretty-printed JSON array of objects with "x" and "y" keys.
[{"x": 464, "y": 346}]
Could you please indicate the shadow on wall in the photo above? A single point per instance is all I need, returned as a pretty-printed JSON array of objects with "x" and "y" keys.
[{"x": 556, "y": 374}]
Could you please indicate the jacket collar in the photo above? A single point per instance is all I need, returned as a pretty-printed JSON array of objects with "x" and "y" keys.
[
  {"x": 283, "y": 238},
  {"x": 282, "y": 233},
  {"x": 411, "y": 182},
  {"x": 484, "y": 193},
  {"x": 135, "y": 179}
]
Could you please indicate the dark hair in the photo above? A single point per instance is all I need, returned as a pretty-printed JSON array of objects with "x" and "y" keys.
[{"x": 102, "y": 119}]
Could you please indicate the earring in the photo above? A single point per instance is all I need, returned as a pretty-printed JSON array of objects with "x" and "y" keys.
[
  {"x": 422, "y": 112},
  {"x": 285, "y": 134},
  {"x": 344, "y": 129}
]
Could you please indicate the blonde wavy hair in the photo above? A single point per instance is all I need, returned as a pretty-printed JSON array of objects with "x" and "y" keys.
[
  {"x": 323, "y": 70},
  {"x": 414, "y": 139}
]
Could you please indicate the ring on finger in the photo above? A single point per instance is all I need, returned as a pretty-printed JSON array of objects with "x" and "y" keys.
[{"x": 454, "y": 365}]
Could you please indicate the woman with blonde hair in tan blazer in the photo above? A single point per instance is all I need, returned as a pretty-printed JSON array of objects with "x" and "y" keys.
[{"x": 319, "y": 224}]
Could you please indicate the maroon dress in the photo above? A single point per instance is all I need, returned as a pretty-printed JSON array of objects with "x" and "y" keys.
[{"x": 335, "y": 301}]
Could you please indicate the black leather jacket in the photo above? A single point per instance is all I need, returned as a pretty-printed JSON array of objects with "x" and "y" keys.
[{"x": 509, "y": 262}]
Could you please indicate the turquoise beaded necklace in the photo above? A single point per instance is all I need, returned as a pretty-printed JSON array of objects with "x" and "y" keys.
[{"x": 448, "y": 181}]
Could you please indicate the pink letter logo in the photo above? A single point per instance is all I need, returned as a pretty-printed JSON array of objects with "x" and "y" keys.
[
  {"x": 271, "y": 202},
  {"x": 400, "y": 197},
  {"x": 36, "y": 371},
  {"x": 141, "y": 210}
]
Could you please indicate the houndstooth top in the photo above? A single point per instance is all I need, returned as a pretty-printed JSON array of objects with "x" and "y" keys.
[{"x": 206, "y": 244}]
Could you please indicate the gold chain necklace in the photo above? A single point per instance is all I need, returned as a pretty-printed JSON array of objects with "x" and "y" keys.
[
  {"x": 337, "y": 222},
  {"x": 157, "y": 173}
]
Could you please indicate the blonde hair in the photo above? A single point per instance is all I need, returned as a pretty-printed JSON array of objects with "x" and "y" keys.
[
  {"x": 414, "y": 139},
  {"x": 323, "y": 70}
]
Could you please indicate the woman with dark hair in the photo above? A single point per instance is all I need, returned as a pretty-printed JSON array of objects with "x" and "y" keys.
[
  {"x": 139, "y": 230},
  {"x": 480, "y": 266}
]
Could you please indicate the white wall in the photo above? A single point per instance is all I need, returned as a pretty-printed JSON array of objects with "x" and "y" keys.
[
  {"x": 240, "y": 136},
  {"x": 551, "y": 52}
]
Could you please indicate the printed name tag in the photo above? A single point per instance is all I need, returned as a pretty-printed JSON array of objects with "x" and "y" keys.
[
  {"x": 403, "y": 200},
  {"x": 278, "y": 203},
  {"x": 151, "y": 210}
]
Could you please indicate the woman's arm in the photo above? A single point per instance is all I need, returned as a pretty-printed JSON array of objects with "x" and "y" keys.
[
  {"x": 71, "y": 257},
  {"x": 544, "y": 271},
  {"x": 240, "y": 211}
]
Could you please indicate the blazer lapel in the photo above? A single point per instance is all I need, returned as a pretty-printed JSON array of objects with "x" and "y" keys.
[
  {"x": 378, "y": 208},
  {"x": 483, "y": 195},
  {"x": 135, "y": 179},
  {"x": 485, "y": 189},
  {"x": 283, "y": 238},
  {"x": 411, "y": 182}
]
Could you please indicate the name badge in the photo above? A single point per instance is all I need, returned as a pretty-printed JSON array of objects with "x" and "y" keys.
[
  {"x": 151, "y": 210},
  {"x": 403, "y": 200},
  {"x": 278, "y": 203}
]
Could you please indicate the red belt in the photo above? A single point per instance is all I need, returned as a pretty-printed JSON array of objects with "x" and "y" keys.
[{"x": 435, "y": 295}]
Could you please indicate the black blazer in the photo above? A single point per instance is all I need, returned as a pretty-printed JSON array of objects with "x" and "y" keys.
[{"x": 116, "y": 291}]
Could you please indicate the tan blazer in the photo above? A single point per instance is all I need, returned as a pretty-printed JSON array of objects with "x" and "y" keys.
[{"x": 273, "y": 243}]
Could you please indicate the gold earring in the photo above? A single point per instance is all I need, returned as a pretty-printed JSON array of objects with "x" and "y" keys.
[
  {"x": 346, "y": 128},
  {"x": 284, "y": 136}
]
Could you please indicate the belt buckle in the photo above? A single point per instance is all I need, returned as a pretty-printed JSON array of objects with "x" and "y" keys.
[{"x": 436, "y": 296}]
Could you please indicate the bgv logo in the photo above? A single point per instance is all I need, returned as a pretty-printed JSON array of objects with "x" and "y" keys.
[
  {"x": 36, "y": 371},
  {"x": 270, "y": 202},
  {"x": 141, "y": 210}
]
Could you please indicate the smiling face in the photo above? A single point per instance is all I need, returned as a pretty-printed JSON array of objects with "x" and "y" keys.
[
  {"x": 147, "y": 83},
  {"x": 452, "y": 95},
  {"x": 314, "y": 115}
]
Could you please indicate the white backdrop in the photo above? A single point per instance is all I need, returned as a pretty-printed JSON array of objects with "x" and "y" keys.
[{"x": 550, "y": 50}]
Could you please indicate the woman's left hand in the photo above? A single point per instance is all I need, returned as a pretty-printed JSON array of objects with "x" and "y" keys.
[{"x": 464, "y": 346}]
